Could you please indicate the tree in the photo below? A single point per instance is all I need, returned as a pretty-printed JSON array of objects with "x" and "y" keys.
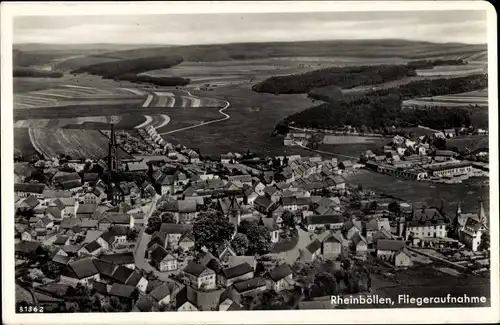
[
  {"x": 258, "y": 236},
  {"x": 484, "y": 245},
  {"x": 132, "y": 235},
  {"x": 210, "y": 228},
  {"x": 394, "y": 207},
  {"x": 167, "y": 217},
  {"x": 51, "y": 269},
  {"x": 240, "y": 243},
  {"x": 288, "y": 219},
  {"x": 154, "y": 224}
]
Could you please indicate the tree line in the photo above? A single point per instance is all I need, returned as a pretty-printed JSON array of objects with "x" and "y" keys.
[
  {"x": 381, "y": 108},
  {"x": 342, "y": 77},
  {"x": 35, "y": 73}
]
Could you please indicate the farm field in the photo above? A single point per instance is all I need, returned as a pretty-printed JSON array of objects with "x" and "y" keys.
[
  {"x": 75, "y": 143},
  {"x": 455, "y": 70}
]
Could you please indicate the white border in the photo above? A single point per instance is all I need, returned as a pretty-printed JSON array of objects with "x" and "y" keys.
[{"x": 431, "y": 315}]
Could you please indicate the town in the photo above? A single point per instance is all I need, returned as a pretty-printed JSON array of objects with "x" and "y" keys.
[
  {"x": 412, "y": 157},
  {"x": 172, "y": 230}
]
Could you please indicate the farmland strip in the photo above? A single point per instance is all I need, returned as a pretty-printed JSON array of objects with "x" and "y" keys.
[
  {"x": 148, "y": 101},
  {"x": 149, "y": 119}
]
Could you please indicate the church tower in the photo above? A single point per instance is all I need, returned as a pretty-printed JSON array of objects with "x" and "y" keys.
[
  {"x": 112, "y": 147},
  {"x": 482, "y": 214}
]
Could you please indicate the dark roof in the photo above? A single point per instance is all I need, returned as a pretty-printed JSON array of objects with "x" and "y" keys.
[
  {"x": 32, "y": 201},
  {"x": 104, "y": 268},
  {"x": 121, "y": 274},
  {"x": 194, "y": 268},
  {"x": 450, "y": 166},
  {"x": 55, "y": 289},
  {"x": 238, "y": 270},
  {"x": 145, "y": 303},
  {"x": 61, "y": 259},
  {"x": 280, "y": 272},
  {"x": 447, "y": 153},
  {"x": 390, "y": 245},
  {"x": 29, "y": 187},
  {"x": 158, "y": 254},
  {"x": 121, "y": 290},
  {"x": 134, "y": 279},
  {"x": 83, "y": 268},
  {"x": 324, "y": 219},
  {"x": 357, "y": 238},
  {"x": 160, "y": 292},
  {"x": 247, "y": 285},
  {"x": 118, "y": 230},
  {"x": 100, "y": 287},
  {"x": 71, "y": 248},
  {"x": 86, "y": 208},
  {"x": 27, "y": 247},
  {"x": 263, "y": 201},
  {"x": 115, "y": 217},
  {"x": 90, "y": 177},
  {"x": 234, "y": 306},
  {"x": 92, "y": 246},
  {"x": 71, "y": 184},
  {"x": 314, "y": 246},
  {"x": 182, "y": 297},
  {"x": 118, "y": 259},
  {"x": 60, "y": 177},
  {"x": 158, "y": 238},
  {"x": 55, "y": 211},
  {"x": 174, "y": 228}
]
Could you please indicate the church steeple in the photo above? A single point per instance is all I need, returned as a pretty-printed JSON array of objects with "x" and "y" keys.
[
  {"x": 459, "y": 210},
  {"x": 482, "y": 213}
]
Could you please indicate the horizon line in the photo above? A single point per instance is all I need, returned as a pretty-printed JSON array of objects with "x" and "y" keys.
[{"x": 254, "y": 42}]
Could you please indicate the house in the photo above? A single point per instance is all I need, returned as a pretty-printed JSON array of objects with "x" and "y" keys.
[
  {"x": 346, "y": 166},
  {"x": 28, "y": 203},
  {"x": 183, "y": 302},
  {"x": 122, "y": 291},
  {"x": 450, "y": 169},
  {"x": 54, "y": 213},
  {"x": 394, "y": 251},
  {"x": 246, "y": 287},
  {"x": 259, "y": 188},
  {"x": 115, "y": 237},
  {"x": 162, "y": 260},
  {"x": 425, "y": 222},
  {"x": 282, "y": 278},
  {"x": 86, "y": 210},
  {"x": 90, "y": 178},
  {"x": 28, "y": 235},
  {"x": 27, "y": 189},
  {"x": 359, "y": 244},
  {"x": 240, "y": 180},
  {"x": 332, "y": 246},
  {"x": 311, "y": 251},
  {"x": 173, "y": 233},
  {"x": 161, "y": 294},
  {"x": 123, "y": 259},
  {"x": 72, "y": 185},
  {"x": 187, "y": 210},
  {"x": 68, "y": 206},
  {"x": 350, "y": 228},
  {"x": 272, "y": 193},
  {"x": 332, "y": 222},
  {"x": 449, "y": 133},
  {"x": 200, "y": 276},
  {"x": 235, "y": 273},
  {"x": 62, "y": 240},
  {"x": 187, "y": 241},
  {"x": 263, "y": 204},
  {"x": 131, "y": 278},
  {"x": 61, "y": 259},
  {"x": 237, "y": 260},
  {"x": 92, "y": 248},
  {"x": 26, "y": 249},
  {"x": 80, "y": 272},
  {"x": 273, "y": 229},
  {"x": 115, "y": 219},
  {"x": 339, "y": 182}
]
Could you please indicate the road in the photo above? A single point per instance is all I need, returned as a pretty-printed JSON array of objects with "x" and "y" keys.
[{"x": 142, "y": 244}]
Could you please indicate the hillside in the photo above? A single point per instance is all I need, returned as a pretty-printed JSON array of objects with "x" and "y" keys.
[
  {"x": 379, "y": 109},
  {"x": 409, "y": 50}
]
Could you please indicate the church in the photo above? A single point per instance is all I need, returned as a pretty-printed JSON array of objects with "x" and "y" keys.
[{"x": 471, "y": 227}]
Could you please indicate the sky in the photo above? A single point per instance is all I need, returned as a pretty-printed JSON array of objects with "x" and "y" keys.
[{"x": 186, "y": 29}]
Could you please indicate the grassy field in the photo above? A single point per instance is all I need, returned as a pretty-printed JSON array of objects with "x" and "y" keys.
[
  {"x": 337, "y": 139},
  {"x": 454, "y": 70}
]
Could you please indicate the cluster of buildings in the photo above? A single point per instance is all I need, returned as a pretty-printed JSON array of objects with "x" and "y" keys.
[
  {"x": 415, "y": 160},
  {"x": 92, "y": 227}
]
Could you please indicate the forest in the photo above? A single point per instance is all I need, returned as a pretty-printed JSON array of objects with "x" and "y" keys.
[
  {"x": 131, "y": 66},
  {"x": 378, "y": 109},
  {"x": 342, "y": 77},
  {"x": 34, "y": 73},
  {"x": 429, "y": 64}
]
